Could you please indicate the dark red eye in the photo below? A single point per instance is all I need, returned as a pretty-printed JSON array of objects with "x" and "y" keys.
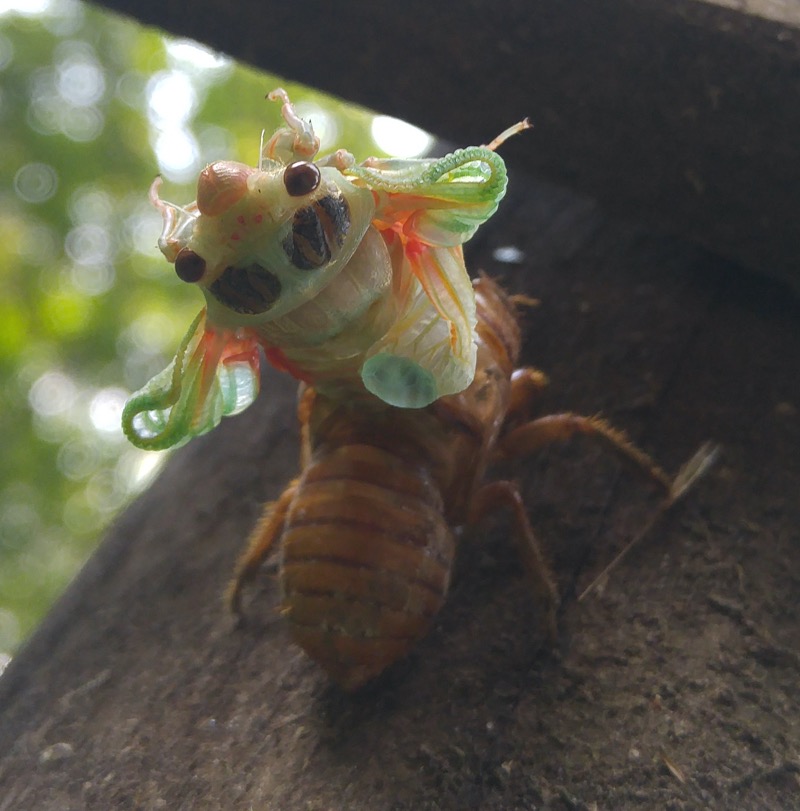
[
  {"x": 301, "y": 178},
  {"x": 189, "y": 266}
]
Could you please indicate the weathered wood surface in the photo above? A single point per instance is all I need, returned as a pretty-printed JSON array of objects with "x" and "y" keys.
[
  {"x": 675, "y": 688},
  {"x": 685, "y": 113}
]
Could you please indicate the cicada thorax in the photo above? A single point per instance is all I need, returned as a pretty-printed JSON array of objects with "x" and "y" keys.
[
  {"x": 318, "y": 231},
  {"x": 327, "y": 336},
  {"x": 366, "y": 559},
  {"x": 315, "y": 237}
]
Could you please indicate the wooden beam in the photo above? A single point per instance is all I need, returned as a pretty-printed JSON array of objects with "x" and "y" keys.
[{"x": 683, "y": 113}]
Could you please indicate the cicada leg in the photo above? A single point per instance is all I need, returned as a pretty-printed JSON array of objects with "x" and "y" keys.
[
  {"x": 261, "y": 541},
  {"x": 497, "y": 495},
  {"x": 538, "y": 433},
  {"x": 527, "y": 384}
]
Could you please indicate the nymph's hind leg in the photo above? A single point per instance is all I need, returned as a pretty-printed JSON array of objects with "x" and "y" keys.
[
  {"x": 532, "y": 436},
  {"x": 499, "y": 494},
  {"x": 536, "y": 434},
  {"x": 261, "y": 541}
]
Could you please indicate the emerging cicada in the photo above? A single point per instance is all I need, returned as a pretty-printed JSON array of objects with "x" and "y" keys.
[
  {"x": 351, "y": 277},
  {"x": 364, "y": 533},
  {"x": 347, "y": 275}
]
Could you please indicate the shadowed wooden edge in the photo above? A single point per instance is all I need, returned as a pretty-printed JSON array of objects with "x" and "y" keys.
[{"x": 683, "y": 113}]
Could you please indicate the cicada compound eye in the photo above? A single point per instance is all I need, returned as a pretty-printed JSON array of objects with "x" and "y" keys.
[
  {"x": 301, "y": 178},
  {"x": 189, "y": 266}
]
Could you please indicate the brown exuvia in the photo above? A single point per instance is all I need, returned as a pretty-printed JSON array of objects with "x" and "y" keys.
[{"x": 366, "y": 546}]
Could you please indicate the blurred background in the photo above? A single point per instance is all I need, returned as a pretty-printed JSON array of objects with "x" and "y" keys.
[{"x": 92, "y": 107}]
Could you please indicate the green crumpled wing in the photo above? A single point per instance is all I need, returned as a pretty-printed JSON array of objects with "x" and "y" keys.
[
  {"x": 430, "y": 350},
  {"x": 425, "y": 211},
  {"x": 440, "y": 202},
  {"x": 215, "y": 373}
]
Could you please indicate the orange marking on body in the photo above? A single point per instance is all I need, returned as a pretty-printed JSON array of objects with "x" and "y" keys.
[
  {"x": 278, "y": 359},
  {"x": 246, "y": 354},
  {"x": 208, "y": 352},
  {"x": 415, "y": 249}
]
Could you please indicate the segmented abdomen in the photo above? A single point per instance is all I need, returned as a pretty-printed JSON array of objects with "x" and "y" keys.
[{"x": 366, "y": 560}]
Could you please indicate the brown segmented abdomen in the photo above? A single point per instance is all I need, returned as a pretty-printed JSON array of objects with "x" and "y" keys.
[{"x": 366, "y": 559}]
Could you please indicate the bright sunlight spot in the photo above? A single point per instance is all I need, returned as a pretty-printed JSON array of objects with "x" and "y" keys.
[
  {"x": 27, "y": 7},
  {"x": 400, "y": 139},
  {"x": 105, "y": 410},
  {"x": 171, "y": 98},
  {"x": 193, "y": 55}
]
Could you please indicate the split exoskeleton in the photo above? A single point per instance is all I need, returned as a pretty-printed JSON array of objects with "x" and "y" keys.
[{"x": 364, "y": 534}]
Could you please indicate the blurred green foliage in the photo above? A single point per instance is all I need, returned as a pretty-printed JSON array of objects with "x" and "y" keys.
[{"x": 92, "y": 108}]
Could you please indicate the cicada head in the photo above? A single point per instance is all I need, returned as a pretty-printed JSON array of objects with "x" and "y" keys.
[{"x": 261, "y": 241}]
